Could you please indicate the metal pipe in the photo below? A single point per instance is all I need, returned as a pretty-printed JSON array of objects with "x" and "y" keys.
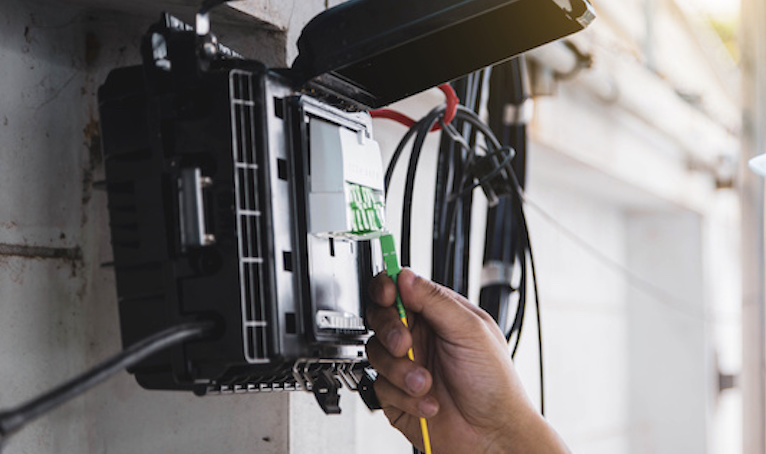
[{"x": 565, "y": 62}]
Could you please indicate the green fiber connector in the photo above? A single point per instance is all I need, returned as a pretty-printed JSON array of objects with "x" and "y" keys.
[
  {"x": 388, "y": 247},
  {"x": 389, "y": 255},
  {"x": 366, "y": 211}
]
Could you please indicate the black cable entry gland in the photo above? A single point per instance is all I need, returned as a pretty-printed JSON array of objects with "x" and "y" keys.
[{"x": 13, "y": 420}]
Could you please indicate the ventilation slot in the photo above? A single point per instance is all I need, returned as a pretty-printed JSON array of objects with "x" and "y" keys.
[{"x": 250, "y": 223}]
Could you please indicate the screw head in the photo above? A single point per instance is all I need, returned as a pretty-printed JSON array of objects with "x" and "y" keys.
[{"x": 209, "y": 49}]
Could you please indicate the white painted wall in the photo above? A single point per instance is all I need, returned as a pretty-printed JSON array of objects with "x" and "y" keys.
[
  {"x": 585, "y": 326},
  {"x": 670, "y": 360}
]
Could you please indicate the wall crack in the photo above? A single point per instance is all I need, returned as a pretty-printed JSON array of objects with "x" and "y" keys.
[{"x": 41, "y": 252}]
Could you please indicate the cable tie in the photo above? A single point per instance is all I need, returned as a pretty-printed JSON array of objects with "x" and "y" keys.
[
  {"x": 496, "y": 272},
  {"x": 518, "y": 114}
]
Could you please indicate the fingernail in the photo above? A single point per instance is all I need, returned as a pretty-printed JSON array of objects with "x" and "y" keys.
[
  {"x": 393, "y": 339},
  {"x": 416, "y": 380},
  {"x": 428, "y": 407},
  {"x": 407, "y": 278}
]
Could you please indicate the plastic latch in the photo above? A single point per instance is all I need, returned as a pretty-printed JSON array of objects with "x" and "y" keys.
[
  {"x": 367, "y": 391},
  {"x": 325, "y": 388}
]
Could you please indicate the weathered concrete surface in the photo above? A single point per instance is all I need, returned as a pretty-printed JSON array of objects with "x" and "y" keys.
[{"x": 57, "y": 303}]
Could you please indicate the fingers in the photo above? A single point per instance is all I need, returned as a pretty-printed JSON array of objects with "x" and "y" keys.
[
  {"x": 391, "y": 396},
  {"x": 384, "y": 319},
  {"x": 389, "y": 330},
  {"x": 382, "y": 290},
  {"x": 406, "y": 375},
  {"x": 448, "y": 313}
]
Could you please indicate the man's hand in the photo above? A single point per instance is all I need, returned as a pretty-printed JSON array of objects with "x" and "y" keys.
[{"x": 463, "y": 379}]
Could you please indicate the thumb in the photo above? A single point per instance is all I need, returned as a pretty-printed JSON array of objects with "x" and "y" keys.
[{"x": 448, "y": 313}]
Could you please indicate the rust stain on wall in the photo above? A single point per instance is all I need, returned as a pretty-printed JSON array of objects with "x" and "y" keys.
[{"x": 92, "y": 141}]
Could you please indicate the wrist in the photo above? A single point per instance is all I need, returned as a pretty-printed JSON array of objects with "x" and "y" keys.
[{"x": 533, "y": 435}]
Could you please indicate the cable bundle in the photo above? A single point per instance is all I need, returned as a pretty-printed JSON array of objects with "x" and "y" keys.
[{"x": 472, "y": 156}]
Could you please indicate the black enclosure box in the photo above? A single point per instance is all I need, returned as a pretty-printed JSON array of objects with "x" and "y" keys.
[{"x": 207, "y": 175}]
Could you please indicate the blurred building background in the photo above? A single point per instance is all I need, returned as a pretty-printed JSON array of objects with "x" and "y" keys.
[
  {"x": 634, "y": 177},
  {"x": 634, "y": 218}
]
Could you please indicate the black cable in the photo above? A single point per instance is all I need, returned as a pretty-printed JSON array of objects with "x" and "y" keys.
[
  {"x": 519, "y": 196},
  {"x": 464, "y": 221},
  {"x": 397, "y": 154},
  {"x": 515, "y": 253},
  {"x": 447, "y": 172},
  {"x": 462, "y": 242},
  {"x": 518, "y": 322},
  {"x": 486, "y": 178},
  {"x": 14, "y": 419},
  {"x": 537, "y": 308},
  {"x": 539, "y": 323},
  {"x": 503, "y": 243},
  {"x": 423, "y": 128},
  {"x": 443, "y": 175}
]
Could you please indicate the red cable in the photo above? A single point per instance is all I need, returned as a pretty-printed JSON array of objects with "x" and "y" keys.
[
  {"x": 452, "y": 102},
  {"x": 391, "y": 114},
  {"x": 449, "y": 113}
]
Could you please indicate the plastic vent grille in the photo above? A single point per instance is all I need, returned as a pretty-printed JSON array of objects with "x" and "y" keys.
[{"x": 247, "y": 178}]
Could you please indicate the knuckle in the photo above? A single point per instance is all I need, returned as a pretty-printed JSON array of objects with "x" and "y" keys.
[
  {"x": 477, "y": 323},
  {"x": 485, "y": 317},
  {"x": 431, "y": 289}
]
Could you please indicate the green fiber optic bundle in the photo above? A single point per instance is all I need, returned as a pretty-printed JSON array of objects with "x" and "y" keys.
[{"x": 367, "y": 209}]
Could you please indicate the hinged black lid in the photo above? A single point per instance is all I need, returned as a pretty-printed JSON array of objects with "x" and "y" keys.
[{"x": 375, "y": 52}]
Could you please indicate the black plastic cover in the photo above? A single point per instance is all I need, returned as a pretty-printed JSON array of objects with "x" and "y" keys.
[{"x": 375, "y": 52}]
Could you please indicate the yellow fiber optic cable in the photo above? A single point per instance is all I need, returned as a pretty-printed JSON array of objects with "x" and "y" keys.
[{"x": 392, "y": 270}]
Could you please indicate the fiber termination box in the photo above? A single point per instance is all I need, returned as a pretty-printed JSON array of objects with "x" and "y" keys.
[{"x": 231, "y": 197}]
